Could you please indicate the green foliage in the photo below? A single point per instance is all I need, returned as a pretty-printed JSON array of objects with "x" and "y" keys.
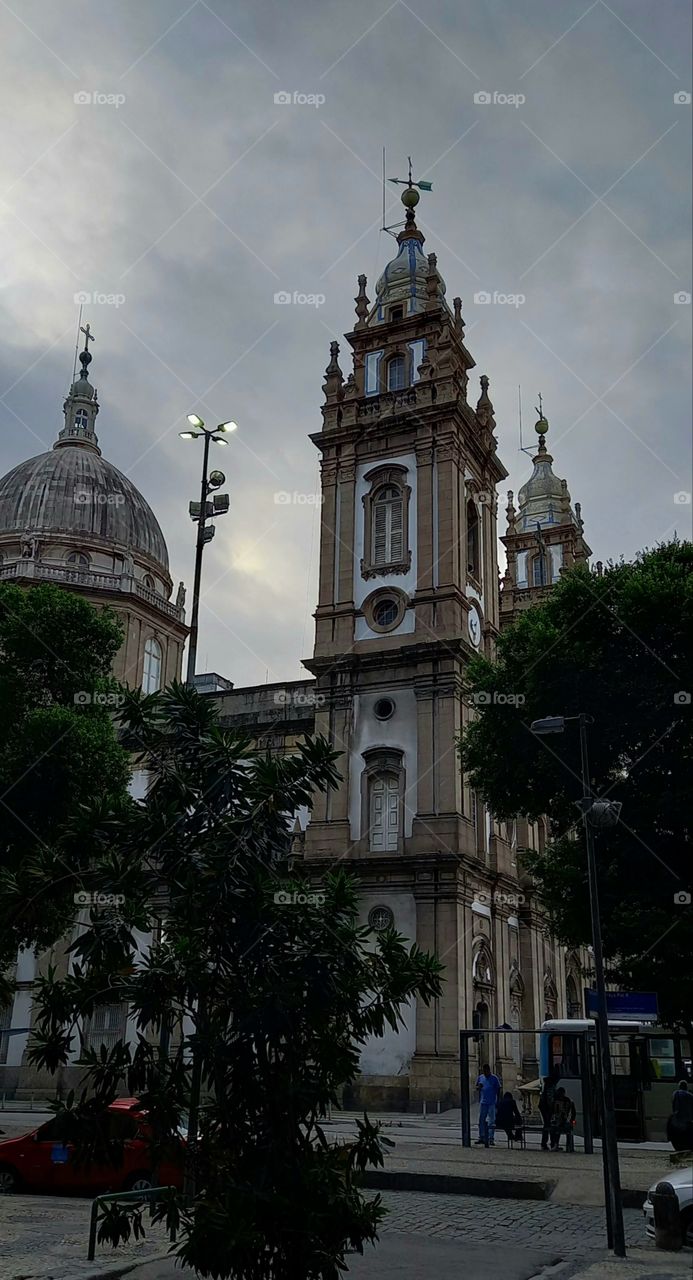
[
  {"x": 619, "y": 648},
  {"x": 56, "y": 754},
  {"x": 264, "y": 982}
]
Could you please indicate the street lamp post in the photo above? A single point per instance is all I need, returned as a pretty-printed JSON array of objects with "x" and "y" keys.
[
  {"x": 598, "y": 814},
  {"x": 201, "y": 512}
]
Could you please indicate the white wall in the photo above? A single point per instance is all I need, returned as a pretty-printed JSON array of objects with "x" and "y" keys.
[
  {"x": 405, "y": 582},
  {"x": 398, "y": 732},
  {"x": 391, "y": 1054}
]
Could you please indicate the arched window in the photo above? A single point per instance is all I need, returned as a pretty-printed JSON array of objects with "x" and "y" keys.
[
  {"x": 539, "y": 570},
  {"x": 473, "y": 558},
  {"x": 572, "y": 998},
  {"x": 151, "y": 677},
  {"x": 388, "y": 525},
  {"x": 79, "y": 558},
  {"x": 396, "y": 372},
  {"x": 384, "y": 812},
  {"x": 82, "y": 419},
  {"x": 148, "y": 581},
  {"x": 106, "y": 1026}
]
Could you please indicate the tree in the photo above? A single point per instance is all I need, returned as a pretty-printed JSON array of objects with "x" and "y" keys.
[
  {"x": 58, "y": 751},
  {"x": 264, "y": 982},
  {"x": 616, "y": 646}
]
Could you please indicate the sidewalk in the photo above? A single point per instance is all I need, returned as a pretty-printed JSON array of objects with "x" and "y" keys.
[{"x": 428, "y": 1156}]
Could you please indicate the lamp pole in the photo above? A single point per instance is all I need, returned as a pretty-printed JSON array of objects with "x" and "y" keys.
[
  {"x": 598, "y": 813},
  {"x": 201, "y": 512}
]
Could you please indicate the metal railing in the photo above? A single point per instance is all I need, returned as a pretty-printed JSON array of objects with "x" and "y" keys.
[{"x": 151, "y": 1194}]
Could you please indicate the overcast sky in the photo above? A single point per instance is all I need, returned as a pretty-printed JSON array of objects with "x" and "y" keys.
[{"x": 186, "y": 190}]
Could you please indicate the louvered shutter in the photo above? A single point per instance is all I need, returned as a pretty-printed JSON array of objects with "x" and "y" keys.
[
  {"x": 396, "y": 531},
  {"x": 380, "y": 532}
]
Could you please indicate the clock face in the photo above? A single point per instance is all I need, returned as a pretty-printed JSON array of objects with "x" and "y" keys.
[{"x": 474, "y": 626}]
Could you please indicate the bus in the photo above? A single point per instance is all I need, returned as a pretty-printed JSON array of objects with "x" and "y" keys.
[{"x": 646, "y": 1065}]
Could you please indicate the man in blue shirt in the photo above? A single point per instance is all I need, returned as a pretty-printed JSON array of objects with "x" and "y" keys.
[{"x": 489, "y": 1087}]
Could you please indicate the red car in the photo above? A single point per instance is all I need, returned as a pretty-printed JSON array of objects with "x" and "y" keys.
[{"x": 43, "y": 1161}]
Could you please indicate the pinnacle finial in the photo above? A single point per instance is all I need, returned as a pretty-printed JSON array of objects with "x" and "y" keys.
[
  {"x": 362, "y": 302},
  {"x": 85, "y": 357}
]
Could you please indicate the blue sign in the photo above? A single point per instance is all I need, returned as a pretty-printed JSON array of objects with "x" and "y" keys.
[
  {"x": 630, "y": 1006},
  {"x": 59, "y": 1153}
]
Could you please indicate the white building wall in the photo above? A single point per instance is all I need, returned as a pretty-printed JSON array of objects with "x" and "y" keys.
[
  {"x": 391, "y": 1053},
  {"x": 399, "y": 732}
]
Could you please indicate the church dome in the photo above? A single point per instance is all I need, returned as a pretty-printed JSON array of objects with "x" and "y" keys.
[
  {"x": 403, "y": 281},
  {"x": 544, "y": 498},
  {"x": 72, "y": 489}
]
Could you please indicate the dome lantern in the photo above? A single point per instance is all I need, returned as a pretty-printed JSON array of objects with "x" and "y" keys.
[{"x": 81, "y": 406}]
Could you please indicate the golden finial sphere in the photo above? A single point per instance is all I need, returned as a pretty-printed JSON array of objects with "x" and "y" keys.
[{"x": 410, "y": 197}]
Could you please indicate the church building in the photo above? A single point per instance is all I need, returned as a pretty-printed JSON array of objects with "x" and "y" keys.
[{"x": 408, "y": 594}]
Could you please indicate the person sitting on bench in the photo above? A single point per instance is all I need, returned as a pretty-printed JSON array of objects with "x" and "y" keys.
[{"x": 508, "y": 1118}]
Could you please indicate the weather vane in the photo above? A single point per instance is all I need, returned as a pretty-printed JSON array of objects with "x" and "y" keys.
[{"x": 410, "y": 197}]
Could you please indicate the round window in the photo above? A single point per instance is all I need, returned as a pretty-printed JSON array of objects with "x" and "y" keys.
[
  {"x": 384, "y": 708},
  {"x": 380, "y": 918},
  {"x": 385, "y": 612}
]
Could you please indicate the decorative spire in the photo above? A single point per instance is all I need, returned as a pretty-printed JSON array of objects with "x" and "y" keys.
[
  {"x": 334, "y": 378},
  {"x": 362, "y": 304},
  {"x": 459, "y": 322},
  {"x": 484, "y": 407},
  {"x": 541, "y": 427},
  {"x": 81, "y": 406},
  {"x": 510, "y": 512}
]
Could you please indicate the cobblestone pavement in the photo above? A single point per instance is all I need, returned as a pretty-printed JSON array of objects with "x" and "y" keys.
[
  {"x": 570, "y": 1229},
  {"x": 46, "y": 1237}
]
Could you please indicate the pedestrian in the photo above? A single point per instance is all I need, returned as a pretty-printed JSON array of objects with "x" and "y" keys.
[
  {"x": 489, "y": 1087},
  {"x": 508, "y": 1118},
  {"x": 562, "y": 1120},
  {"x": 546, "y": 1098},
  {"x": 680, "y": 1123}
]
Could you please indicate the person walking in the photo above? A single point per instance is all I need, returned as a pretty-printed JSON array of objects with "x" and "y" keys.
[
  {"x": 545, "y": 1106},
  {"x": 489, "y": 1087},
  {"x": 680, "y": 1124},
  {"x": 562, "y": 1120}
]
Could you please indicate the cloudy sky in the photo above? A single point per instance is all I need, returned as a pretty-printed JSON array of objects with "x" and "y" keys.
[{"x": 187, "y": 193}]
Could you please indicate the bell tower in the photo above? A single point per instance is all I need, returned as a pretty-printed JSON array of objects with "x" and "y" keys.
[
  {"x": 408, "y": 595},
  {"x": 543, "y": 538}
]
